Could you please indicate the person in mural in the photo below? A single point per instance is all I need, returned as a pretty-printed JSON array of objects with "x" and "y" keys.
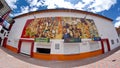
[
  {"x": 70, "y": 30},
  {"x": 66, "y": 35}
]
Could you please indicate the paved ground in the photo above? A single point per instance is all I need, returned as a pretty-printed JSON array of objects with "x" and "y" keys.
[{"x": 9, "y": 59}]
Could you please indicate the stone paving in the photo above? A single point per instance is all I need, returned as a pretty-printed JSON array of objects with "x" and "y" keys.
[{"x": 9, "y": 59}]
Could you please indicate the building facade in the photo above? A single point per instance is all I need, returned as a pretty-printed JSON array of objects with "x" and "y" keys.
[
  {"x": 62, "y": 34},
  {"x": 6, "y": 21}
]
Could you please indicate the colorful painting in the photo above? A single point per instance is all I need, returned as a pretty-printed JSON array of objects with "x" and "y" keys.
[{"x": 60, "y": 28}]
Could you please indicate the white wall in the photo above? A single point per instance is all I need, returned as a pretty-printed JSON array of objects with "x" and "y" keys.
[
  {"x": 71, "y": 48},
  {"x": 105, "y": 27},
  {"x": 57, "y": 47},
  {"x": 106, "y": 30},
  {"x": 16, "y": 31},
  {"x": 3, "y": 35}
]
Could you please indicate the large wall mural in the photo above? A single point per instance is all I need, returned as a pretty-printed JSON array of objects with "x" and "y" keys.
[{"x": 60, "y": 28}]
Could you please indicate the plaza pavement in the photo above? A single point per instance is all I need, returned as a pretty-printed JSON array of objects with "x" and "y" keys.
[{"x": 9, "y": 59}]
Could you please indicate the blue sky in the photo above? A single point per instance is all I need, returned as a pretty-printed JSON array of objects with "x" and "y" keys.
[{"x": 108, "y": 8}]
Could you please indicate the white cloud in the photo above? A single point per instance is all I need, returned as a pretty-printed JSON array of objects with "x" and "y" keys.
[
  {"x": 33, "y": 9},
  {"x": 25, "y": 9},
  {"x": 32, "y": 2},
  {"x": 89, "y": 5},
  {"x": 36, "y": 3},
  {"x": 12, "y": 3},
  {"x": 118, "y": 18},
  {"x": 101, "y": 5},
  {"x": 117, "y": 23},
  {"x": 79, "y": 6},
  {"x": 58, "y": 3},
  {"x": 87, "y": 1}
]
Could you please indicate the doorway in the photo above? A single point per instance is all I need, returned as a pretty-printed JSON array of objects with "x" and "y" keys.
[
  {"x": 26, "y": 48},
  {"x": 105, "y": 45}
]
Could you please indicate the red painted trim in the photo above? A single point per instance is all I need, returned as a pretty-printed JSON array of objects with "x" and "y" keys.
[
  {"x": 5, "y": 16},
  {"x": 32, "y": 48},
  {"x": 26, "y": 40},
  {"x": 10, "y": 26},
  {"x": 108, "y": 45},
  {"x": 5, "y": 42},
  {"x": 102, "y": 46},
  {"x": 19, "y": 46},
  {"x": 23, "y": 31}
]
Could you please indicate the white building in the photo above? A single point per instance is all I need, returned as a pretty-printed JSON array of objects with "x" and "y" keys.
[
  {"x": 59, "y": 25},
  {"x": 5, "y": 21}
]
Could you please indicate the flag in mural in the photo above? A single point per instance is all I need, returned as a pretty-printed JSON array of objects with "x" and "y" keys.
[{"x": 60, "y": 28}]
